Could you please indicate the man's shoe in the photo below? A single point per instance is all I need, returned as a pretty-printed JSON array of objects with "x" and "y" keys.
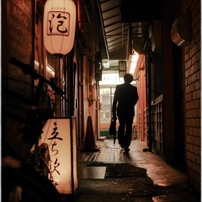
[{"x": 126, "y": 149}]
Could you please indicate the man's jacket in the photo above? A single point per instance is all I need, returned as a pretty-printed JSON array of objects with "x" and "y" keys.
[{"x": 125, "y": 98}]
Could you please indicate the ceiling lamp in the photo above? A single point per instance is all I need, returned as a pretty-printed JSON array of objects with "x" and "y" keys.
[
  {"x": 180, "y": 32},
  {"x": 59, "y": 26},
  {"x": 133, "y": 59}
]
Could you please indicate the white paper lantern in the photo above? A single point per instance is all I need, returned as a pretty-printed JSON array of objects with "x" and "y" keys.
[{"x": 59, "y": 26}]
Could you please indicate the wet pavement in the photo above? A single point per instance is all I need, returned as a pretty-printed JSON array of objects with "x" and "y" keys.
[{"x": 110, "y": 174}]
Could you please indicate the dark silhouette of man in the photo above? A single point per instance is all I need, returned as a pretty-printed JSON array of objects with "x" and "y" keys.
[{"x": 125, "y": 98}]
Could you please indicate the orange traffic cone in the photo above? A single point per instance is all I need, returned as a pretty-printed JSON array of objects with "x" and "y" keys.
[{"x": 90, "y": 139}]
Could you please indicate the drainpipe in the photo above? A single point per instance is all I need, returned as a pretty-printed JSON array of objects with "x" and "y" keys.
[
  {"x": 70, "y": 84},
  {"x": 147, "y": 46},
  {"x": 58, "y": 83},
  {"x": 149, "y": 60}
]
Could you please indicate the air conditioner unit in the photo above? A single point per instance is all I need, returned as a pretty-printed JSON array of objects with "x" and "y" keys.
[{"x": 180, "y": 32}]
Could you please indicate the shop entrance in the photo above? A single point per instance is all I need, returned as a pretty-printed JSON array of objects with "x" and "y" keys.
[{"x": 106, "y": 97}]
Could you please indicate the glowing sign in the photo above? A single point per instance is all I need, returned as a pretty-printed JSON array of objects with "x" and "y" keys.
[{"x": 60, "y": 136}]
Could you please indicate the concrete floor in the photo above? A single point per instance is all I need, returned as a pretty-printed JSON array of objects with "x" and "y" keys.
[{"x": 112, "y": 175}]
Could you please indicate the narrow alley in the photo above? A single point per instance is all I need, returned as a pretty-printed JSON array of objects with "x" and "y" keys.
[
  {"x": 64, "y": 65},
  {"x": 112, "y": 175}
]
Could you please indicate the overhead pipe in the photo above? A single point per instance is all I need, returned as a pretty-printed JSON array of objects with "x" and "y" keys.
[{"x": 103, "y": 32}]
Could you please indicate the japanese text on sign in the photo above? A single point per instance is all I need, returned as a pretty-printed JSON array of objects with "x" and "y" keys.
[
  {"x": 54, "y": 151},
  {"x": 58, "y": 23}
]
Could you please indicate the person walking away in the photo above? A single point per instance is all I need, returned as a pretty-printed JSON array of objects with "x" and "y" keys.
[{"x": 125, "y": 99}]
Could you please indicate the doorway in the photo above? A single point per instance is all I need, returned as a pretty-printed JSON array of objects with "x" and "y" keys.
[
  {"x": 107, "y": 86},
  {"x": 106, "y": 99},
  {"x": 110, "y": 79},
  {"x": 178, "y": 79}
]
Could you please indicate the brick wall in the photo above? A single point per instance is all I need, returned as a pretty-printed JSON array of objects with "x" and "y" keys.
[{"x": 193, "y": 95}]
